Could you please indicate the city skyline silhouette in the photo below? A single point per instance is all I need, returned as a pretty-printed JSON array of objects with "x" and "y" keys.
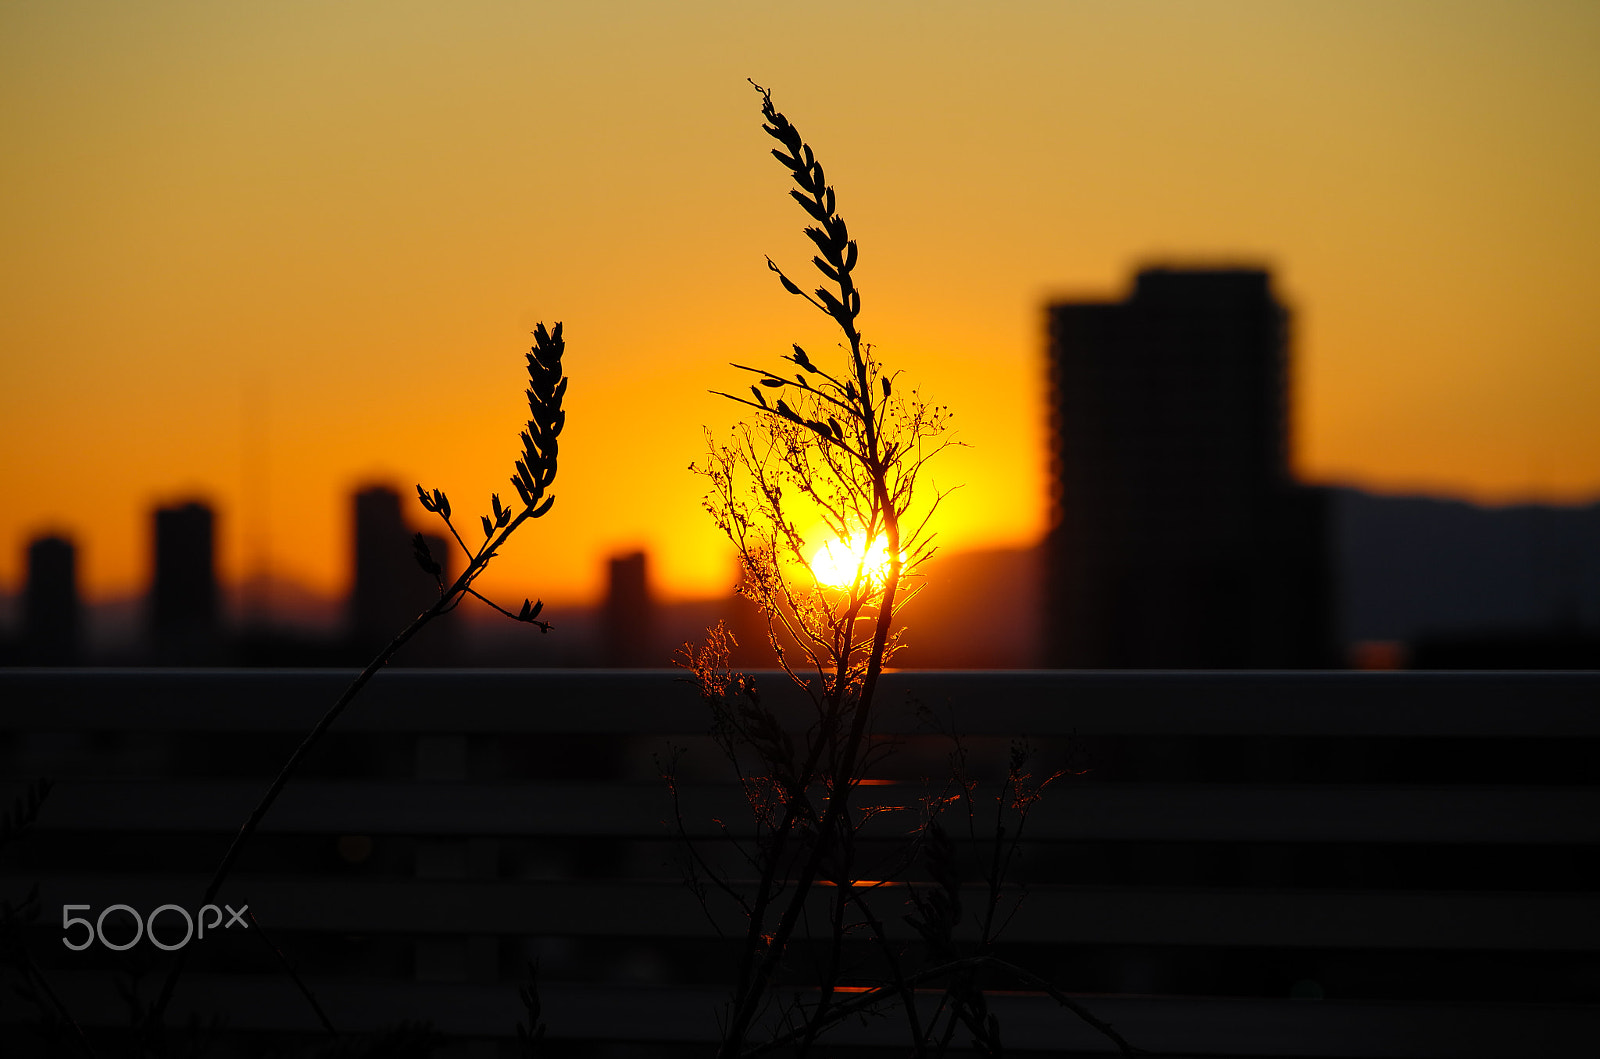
[{"x": 1183, "y": 540}]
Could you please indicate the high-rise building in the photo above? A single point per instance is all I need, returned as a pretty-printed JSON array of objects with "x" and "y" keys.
[
  {"x": 1178, "y": 536},
  {"x": 183, "y": 600},
  {"x": 51, "y": 613}
]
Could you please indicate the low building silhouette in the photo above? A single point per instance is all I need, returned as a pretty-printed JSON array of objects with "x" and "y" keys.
[
  {"x": 52, "y": 615},
  {"x": 628, "y": 622},
  {"x": 1179, "y": 539}
]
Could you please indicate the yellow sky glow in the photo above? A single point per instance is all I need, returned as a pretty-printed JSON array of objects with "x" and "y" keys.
[{"x": 265, "y": 254}]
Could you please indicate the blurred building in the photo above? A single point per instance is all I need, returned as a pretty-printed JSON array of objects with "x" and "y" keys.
[
  {"x": 184, "y": 600},
  {"x": 52, "y": 616},
  {"x": 628, "y": 624},
  {"x": 390, "y": 589},
  {"x": 1179, "y": 539}
]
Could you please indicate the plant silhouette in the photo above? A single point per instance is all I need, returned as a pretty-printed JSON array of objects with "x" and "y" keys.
[
  {"x": 844, "y": 448},
  {"x": 535, "y": 471}
]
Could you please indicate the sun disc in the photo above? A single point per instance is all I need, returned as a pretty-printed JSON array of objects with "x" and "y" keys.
[{"x": 837, "y": 563}]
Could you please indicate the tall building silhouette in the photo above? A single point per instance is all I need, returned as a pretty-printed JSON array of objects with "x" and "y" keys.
[
  {"x": 1179, "y": 539},
  {"x": 52, "y": 616},
  {"x": 183, "y": 599},
  {"x": 390, "y": 588}
]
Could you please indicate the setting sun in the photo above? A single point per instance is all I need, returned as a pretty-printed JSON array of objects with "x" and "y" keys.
[{"x": 836, "y": 563}]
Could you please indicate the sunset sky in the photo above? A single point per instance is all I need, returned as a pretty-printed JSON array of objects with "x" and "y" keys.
[{"x": 267, "y": 253}]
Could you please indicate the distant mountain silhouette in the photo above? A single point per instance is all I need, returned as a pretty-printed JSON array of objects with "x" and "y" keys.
[
  {"x": 1414, "y": 567},
  {"x": 978, "y": 610}
]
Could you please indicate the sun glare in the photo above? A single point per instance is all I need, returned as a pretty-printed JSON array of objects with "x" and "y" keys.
[{"x": 835, "y": 563}]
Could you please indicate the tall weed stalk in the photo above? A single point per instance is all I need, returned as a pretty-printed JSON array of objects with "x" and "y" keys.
[
  {"x": 841, "y": 447},
  {"x": 534, "y": 472}
]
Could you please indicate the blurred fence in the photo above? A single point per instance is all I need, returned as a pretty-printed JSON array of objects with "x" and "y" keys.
[{"x": 1246, "y": 864}]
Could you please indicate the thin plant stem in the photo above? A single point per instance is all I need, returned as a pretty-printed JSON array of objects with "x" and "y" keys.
[{"x": 283, "y": 961}]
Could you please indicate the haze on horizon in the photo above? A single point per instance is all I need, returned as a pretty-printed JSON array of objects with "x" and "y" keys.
[{"x": 265, "y": 255}]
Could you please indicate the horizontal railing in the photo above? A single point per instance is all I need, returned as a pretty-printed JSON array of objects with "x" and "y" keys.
[{"x": 1421, "y": 850}]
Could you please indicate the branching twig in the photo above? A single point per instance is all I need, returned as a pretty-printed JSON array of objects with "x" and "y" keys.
[{"x": 872, "y": 998}]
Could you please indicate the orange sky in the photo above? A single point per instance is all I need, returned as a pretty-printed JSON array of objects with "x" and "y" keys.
[{"x": 266, "y": 253}]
